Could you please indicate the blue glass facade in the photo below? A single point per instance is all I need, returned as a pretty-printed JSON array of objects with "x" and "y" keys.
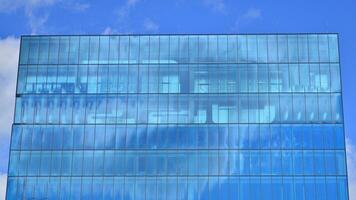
[{"x": 178, "y": 117}]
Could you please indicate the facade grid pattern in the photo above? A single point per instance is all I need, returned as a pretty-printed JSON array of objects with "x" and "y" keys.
[{"x": 178, "y": 117}]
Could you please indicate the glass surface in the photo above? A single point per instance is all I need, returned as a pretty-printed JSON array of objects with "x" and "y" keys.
[{"x": 178, "y": 117}]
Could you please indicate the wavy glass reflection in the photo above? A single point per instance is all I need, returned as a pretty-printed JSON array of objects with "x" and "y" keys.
[{"x": 178, "y": 117}]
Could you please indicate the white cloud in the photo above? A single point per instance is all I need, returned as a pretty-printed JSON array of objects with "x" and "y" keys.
[
  {"x": 3, "y": 181},
  {"x": 132, "y": 2},
  {"x": 36, "y": 23},
  {"x": 351, "y": 167},
  {"x": 126, "y": 8},
  {"x": 252, "y": 13},
  {"x": 108, "y": 30},
  {"x": 78, "y": 7},
  {"x": 29, "y": 5},
  {"x": 216, "y": 5},
  {"x": 9, "y": 52},
  {"x": 150, "y": 25},
  {"x": 36, "y": 12},
  {"x": 247, "y": 17},
  {"x": 36, "y": 19}
]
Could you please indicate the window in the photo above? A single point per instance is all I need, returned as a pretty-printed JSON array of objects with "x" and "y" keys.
[
  {"x": 134, "y": 116},
  {"x": 313, "y": 48},
  {"x": 34, "y": 51},
  {"x": 94, "y": 50},
  {"x": 164, "y": 46},
  {"x": 335, "y": 78},
  {"x": 323, "y": 48},
  {"x": 299, "y": 108},
  {"x": 223, "y": 138},
  {"x": 100, "y": 136},
  {"x": 241, "y": 49},
  {"x": 222, "y": 48},
  {"x": 272, "y": 48},
  {"x": 298, "y": 162},
  {"x": 114, "y": 49},
  {"x": 154, "y": 49},
  {"x": 284, "y": 78},
  {"x": 293, "y": 48},
  {"x": 43, "y": 50},
  {"x": 252, "y": 48},
  {"x": 295, "y": 78},
  {"x": 84, "y": 50},
  {"x": 25, "y": 50},
  {"x": 282, "y": 48},
  {"x": 333, "y": 48},
  {"x": 336, "y": 106},
  {"x": 311, "y": 102},
  {"x": 213, "y": 48},
  {"x": 233, "y": 133},
  {"x": 231, "y": 48},
  {"x": 303, "y": 48},
  {"x": 104, "y": 49},
  {"x": 63, "y": 50},
  {"x": 73, "y": 50},
  {"x": 262, "y": 48},
  {"x": 262, "y": 77},
  {"x": 285, "y": 109}
]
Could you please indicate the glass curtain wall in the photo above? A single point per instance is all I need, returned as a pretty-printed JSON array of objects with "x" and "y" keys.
[{"x": 178, "y": 117}]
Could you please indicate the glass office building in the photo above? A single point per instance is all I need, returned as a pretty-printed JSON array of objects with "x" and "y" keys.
[{"x": 178, "y": 117}]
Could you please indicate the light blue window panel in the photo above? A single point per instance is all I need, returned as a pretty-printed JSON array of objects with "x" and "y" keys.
[{"x": 178, "y": 117}]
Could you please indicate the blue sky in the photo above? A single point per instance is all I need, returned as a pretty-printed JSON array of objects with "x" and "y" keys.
[{"x": 19, "y": 17}]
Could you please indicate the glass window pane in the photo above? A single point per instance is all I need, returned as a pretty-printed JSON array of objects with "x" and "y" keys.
[
  {"x": 311, "y": 103},
  {"x": 272, "y": 48},
  {"x": 213, "y": 48},
  {"x": 303, "y": 48},
  {"x": 43, "y": 50},
  {"x": 34, "y": 50},
  {"x": 232, "y": 48},
  {"x": 324, "y": 108},
  {"x": 342, "y": 188},
  {"x": 242, "y": 49},
  {"x": 252, "y": 48},
  {"x": 94, "y": 50},
  {"x": 336, "y": 107},
  {"x": 323, "y": 48},
  {"x": 63, "y": 50},
  {"x": 84, "y": 50},
  {"x": 262, "y": 48},
  {"x": 282, "y": 48},
  {"x": 25, "y": 50},
  {"x": 299, "y": 108},
  {"x": 313, "y": 48},
  {"x": 73, "y": 50},
  {"x": 333, "y": 48},
  {"x": 222, "y": 48},
  {"x": 335, "y": 78},
  {"x": 114, "y": 49},
  {"x": 340, "y": 162},
  {"x": 331, "y": 188},
  {"x": 293, "y": 48},
  {"x": 286, "y": 109},
  {"x": 104, "y": 49}
]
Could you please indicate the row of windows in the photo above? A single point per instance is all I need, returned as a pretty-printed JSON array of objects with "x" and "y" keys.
[
  {"x": 252, "y": 136},
  {"x": 179, "y": 79},
  {"x": 172, "y": 188},
  {"x": 182, "y": 162},
  {"x": 179, "y": 49},
  {"x": 202, "y": 108}
]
